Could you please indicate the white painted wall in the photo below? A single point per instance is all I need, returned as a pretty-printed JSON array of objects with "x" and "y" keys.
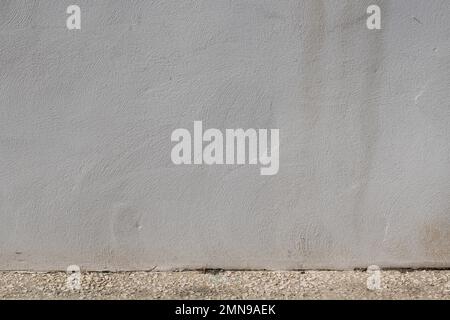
[{"x": 86, "y": 118}]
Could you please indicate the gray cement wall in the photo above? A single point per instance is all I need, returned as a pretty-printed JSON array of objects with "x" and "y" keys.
[{"x": 86, "y": 118}]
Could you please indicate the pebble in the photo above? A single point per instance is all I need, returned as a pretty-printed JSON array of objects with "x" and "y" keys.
[{"x": 430, "y": 284}]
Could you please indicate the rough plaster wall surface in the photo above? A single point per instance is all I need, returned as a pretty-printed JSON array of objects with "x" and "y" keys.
[{"x": 86, "y": 118}]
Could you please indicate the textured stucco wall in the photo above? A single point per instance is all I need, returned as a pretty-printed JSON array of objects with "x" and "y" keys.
[{"x": 86, "y": 117}]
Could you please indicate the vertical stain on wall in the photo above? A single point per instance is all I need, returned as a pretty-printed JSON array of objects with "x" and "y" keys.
[
  {"x": 311, "y": 51},
  {"x": 435, "y": 237}
]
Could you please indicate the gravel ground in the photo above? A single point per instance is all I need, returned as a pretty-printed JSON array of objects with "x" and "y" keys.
[{"x": 227, "y": 285}]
